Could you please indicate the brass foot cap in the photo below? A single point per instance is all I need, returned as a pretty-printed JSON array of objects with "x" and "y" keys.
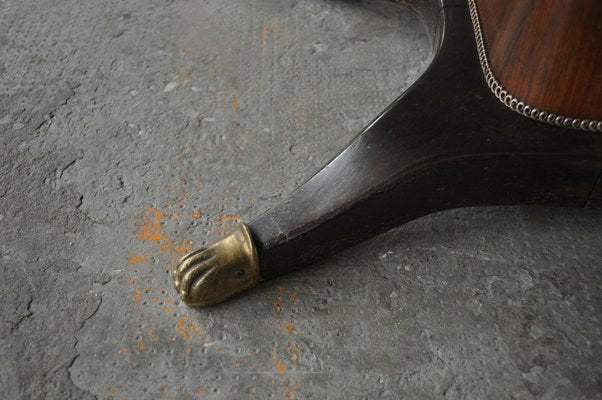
[{"x": 219, "y": 271}]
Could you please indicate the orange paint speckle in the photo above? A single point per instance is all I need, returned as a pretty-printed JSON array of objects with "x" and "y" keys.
[
  {"x": 225, "y": 218},
  {"x": 168, "y": 310},
  {"x": 151, "y": 222},
  {"x": 196, "y": 214},
  {"x": 293, "y": 297},
  {"x": 181, "y": 329},
  {"x": 196, "y": 328},
  {"x": 141, "y": 345},
  {"x": 290, "y": 328},
  {"x": 154, "y": 299},
  {"x": 152, "y": 230},
  {"x": 277, "y": 306},
  {"x": 186, "y": 247},
  {"x": 137, "y": 295},
  {"x": 294, "y": 350},
  {"x": 124, "y": 350},
  {"x": 281, "y": 368},
  {"x": 235, "y": 104},
  {"x": 135, "y": 258},
  {"x": 188, "y": 327},
  {"x": 150, "y": 331}
]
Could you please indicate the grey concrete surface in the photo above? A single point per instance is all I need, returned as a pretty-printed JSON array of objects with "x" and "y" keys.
[{"x": 133, "y": 130}]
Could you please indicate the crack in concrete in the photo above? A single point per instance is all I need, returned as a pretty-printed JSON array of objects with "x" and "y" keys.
[
  {"x": 49, "y": 116},
  {"x": 24, "y": 317},
  {"x": 69, "y": 365}
]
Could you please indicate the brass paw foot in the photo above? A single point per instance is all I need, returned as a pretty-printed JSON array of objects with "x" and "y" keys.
[{"x": 223, "y": 269}]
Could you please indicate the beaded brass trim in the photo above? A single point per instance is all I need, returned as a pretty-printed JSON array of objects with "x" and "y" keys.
[{"x": 512, "y": 102}]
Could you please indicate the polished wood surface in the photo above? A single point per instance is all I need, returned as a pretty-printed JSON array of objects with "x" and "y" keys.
[
  {"x": 447, "y": 142},
  {"x": 547, "y": 53}
]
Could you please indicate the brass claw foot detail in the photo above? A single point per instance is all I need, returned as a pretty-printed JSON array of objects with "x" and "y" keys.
[{"x": 219, "y": 271}]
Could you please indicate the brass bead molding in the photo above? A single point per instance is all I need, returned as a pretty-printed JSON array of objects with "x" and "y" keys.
[{"x": 514, "y": 103}]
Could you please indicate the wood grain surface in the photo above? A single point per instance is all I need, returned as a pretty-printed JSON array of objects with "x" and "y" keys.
[{"x": 547, "y": 54}]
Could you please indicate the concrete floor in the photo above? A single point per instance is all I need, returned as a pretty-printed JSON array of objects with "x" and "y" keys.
[{"x": 133, "y": 130}]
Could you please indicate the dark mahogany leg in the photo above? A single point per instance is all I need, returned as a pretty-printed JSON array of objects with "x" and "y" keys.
[{"x": 445, "y": 143}]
